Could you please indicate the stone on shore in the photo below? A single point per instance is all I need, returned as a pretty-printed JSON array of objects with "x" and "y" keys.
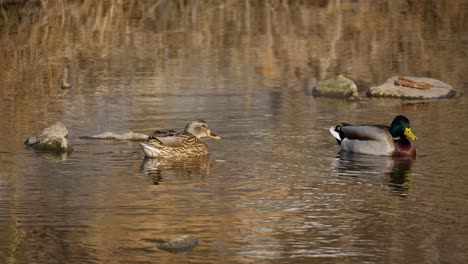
[
  {"x": 336, "y": 87},
  {"x": 53, "y": 138},
  {"x": 412, "y": 88}
]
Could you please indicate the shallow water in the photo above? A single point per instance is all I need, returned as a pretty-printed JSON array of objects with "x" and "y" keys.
[{"x": 275, "y": 189}]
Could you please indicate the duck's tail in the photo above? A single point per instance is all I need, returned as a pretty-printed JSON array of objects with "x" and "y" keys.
[
  {"x": 150, "y": 151},
  {"x": 335, "y": 133}
]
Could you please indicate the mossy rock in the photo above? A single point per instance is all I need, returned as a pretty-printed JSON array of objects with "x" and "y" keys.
[
  {"x": 336, "y": 87},
  {"x": 52, "y": 139},
  {"x": 55, "y": 144}
]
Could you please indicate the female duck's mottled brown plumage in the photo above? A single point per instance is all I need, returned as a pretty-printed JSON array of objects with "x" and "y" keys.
[{"x": 185, "y": 144}]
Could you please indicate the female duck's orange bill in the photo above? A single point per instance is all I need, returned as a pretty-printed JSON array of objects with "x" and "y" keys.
[{"x": 213, "y": 135}]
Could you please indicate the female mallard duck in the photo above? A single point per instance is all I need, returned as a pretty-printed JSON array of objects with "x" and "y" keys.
[
  {"x": 169, "y": 144},
  {"x": 377, "y": 139}
]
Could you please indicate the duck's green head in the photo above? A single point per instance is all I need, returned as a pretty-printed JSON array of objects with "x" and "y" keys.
[{"x": 400, "y": 128}]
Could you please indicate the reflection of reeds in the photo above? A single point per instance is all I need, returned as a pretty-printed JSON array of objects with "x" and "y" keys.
[{"x": 303, "y": 38}]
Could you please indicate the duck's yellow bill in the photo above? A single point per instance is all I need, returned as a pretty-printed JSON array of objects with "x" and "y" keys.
[
  {"x": 213, "y": 135},
  {"x": 409, "y": 134}
]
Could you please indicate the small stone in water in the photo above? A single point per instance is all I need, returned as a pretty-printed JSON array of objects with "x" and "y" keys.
[{"x": 179, "y": 244}]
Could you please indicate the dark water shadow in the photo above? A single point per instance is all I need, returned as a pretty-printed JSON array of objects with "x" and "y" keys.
[
  {"x": 398, "y": 169},
  {"x": 187, "y": 168},
  {"x": 51, "y": 156},
  {"x": 39, "y": 241}
]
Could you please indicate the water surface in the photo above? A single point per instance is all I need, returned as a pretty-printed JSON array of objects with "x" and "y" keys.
[{"x": 275, "y": 189}]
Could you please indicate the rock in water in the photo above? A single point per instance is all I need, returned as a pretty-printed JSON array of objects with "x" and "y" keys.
[
  {"x": 337, "y": 87},
  {"x": 180, "y": 244},
  {"x": 412, "y": 88},
  {"x": 111, "y": 135},
  {"x": 53, "y": 138}
]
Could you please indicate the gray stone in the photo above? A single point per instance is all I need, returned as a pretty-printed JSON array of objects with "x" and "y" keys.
[
  {"x": 56, "y": 130},
  {"x": 179, "y": 244},
  {"x": 112, "y": 135},
  {"x": 336, "y": 87},
  {"x": 421, "y": 88},
  {"x": 53, "y": 138}
]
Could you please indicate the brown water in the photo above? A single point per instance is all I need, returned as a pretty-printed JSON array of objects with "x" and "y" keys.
[{"x": 274, "y": 189}]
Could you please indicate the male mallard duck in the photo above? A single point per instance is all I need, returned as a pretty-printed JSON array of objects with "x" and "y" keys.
[
  {"x": 377, "y": 139},
  {"x": 169, "y": 144}
]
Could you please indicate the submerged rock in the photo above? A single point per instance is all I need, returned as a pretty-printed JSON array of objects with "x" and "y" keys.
[
  {"x": 179, "y": 244},
  {"x": 112, "y": 135},
  {"x": 412, "y": 88},
  {"x": 336, "y": 87},
  {"x": 53, "y": 138}
]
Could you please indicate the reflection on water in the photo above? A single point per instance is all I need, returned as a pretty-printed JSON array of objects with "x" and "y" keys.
[
  {"x": 397, "y": 169},
  {"x": 161, "y": 169},
  {"x": 400, "y": 176},
  {"x": 273, "y": 190}
]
